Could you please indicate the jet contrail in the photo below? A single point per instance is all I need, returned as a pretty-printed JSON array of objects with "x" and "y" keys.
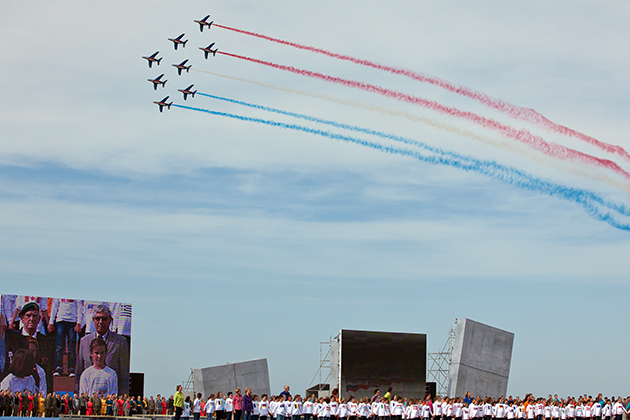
[
  {"x": 588, "y": 200},
  {"x": 512, "y": 147},
  {"x": 514, "y": 111},
  {"x": 523, "y": 136}
]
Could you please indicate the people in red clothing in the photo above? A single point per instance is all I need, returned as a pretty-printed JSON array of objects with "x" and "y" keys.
[
  {"x": 90, "y": 408},
  {"x": 120, "y": 403}
]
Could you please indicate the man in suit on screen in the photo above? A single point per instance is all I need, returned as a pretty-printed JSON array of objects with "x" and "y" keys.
[{"x": 117, "y": 349}]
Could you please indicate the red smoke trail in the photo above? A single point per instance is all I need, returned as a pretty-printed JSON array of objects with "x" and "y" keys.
[
  {"x": 523, "y": 136},
  {"x": 514, "y": 111}
]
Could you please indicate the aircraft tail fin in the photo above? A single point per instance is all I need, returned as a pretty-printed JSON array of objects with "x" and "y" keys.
[
  {"x": 158, "y": 62},
  {"x": 214, "y": 53},
  {"x": 193, "y": 94},
  {"x": 184, "y": 44},
  {"x": 210, "y": 24}
]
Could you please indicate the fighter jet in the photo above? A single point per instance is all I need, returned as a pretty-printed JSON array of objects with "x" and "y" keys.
[
  {"x": 209, "y": 50},
  {"x": 152, "y": 59},
  {"x": 163, "y": 104},
  {"x": 178, "y": 40},
  {"x": 187, "y": 91},
  {"x": 182, "y": 66},
  {"x": 204, "y": 22},
  {"x": 157, "y": 81}
]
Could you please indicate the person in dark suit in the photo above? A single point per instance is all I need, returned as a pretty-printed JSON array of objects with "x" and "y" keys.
[{"x": 117, "y": 350}]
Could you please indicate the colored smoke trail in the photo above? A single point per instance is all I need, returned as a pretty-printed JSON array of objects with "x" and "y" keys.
[
  {"x": 514, "y": 111},
  {"x": 588, "y": 200},
  {"x": 512, "y": 147},
  {"x": 523, "y": 136}
]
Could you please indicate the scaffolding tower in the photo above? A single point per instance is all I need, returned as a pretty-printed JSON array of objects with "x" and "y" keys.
[
  {"x": 323, "y": 372},
  {"x": 439, "y": 363},
  {"x": 189, "y": 384}
]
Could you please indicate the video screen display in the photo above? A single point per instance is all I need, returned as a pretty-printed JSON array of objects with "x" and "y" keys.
[
  {"x": 372, "y": 359},
  {"x": 64, "y": 345}
]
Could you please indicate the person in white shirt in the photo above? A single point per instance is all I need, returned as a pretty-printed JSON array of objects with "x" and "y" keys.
[
  {"x": 98, "y": 378},
  {"x": 447, "y": 408},
  {"x": 256, "y": 408},
  {"x": 196, "y": 408},
  {"x": 618, "y": 409},
  {"x": 334, "y": 408},
  {"x": 296, "y": 408},
  {"x": 352, "y": 409},
  {"x": 363, "y": 409},
  {"x": 186, "y": 411},
  {"x": 229, "y": 407},
  {"x": 396, "y": 408},
  {"x": 219, "y": 406},
  {"x": 209, "y": 408},
  {"x": 343, "y": 409},
  {"x": 606, "y": 410},
  {"x": 263, "y": 407},
  {"x": 437, "y": 408}
]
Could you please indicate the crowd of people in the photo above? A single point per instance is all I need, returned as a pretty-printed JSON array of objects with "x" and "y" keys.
[
  {"x": 246, "y": 405},
  {"x": 249, "y": 406},
  {"x": 27, "y": 404}
]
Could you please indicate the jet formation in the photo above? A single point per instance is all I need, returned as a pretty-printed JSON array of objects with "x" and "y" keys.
[{"x": 153, "y": 58}]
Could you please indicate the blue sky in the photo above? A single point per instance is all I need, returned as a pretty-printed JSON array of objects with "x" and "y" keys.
[{"x": 235, "y": 240}]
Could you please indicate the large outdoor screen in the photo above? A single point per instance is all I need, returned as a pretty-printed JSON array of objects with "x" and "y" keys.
[
  {"x": 372, "y": 359},
  {"x": 64, "y": 345}
]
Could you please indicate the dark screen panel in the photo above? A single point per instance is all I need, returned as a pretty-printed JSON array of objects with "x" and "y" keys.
[{"x": 373, "y": 359}]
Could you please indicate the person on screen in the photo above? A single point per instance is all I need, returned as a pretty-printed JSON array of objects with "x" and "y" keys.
[
  {"x": 64, "y": 324},
  {"x": 20, "y": 377},
  {"x": 98, "y": 379},
  {"x": 117, "y": 350}
]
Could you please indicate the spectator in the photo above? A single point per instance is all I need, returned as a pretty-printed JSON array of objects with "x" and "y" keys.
[
  {"x": 178, "y": 402},
  {"x": 248, "y": 404}
]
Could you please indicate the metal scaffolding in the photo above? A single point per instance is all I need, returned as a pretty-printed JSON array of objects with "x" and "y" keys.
[
  {"x": 439, "y": 363},
  {"x": 189, "y": 384},
  {"x": 323, "y": 372}
]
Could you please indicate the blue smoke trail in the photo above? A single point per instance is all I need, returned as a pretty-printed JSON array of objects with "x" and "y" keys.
[
  {"x": 394, "y": 137},
  {"x": 586, "y": 199}
]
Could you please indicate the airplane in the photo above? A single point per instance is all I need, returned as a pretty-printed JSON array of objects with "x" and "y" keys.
[
  {"x": 152, "y": 59},
  {"x": 209, "y": 50},
  {"x": 163, "y": 104},
  {"x": 203, "y": 22},
  {"x": 157, "y": 81},
  {"x": 181, "y": 66},
  {"x": 178, "y": 40},
  {"x": 187, "y": 91}
]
